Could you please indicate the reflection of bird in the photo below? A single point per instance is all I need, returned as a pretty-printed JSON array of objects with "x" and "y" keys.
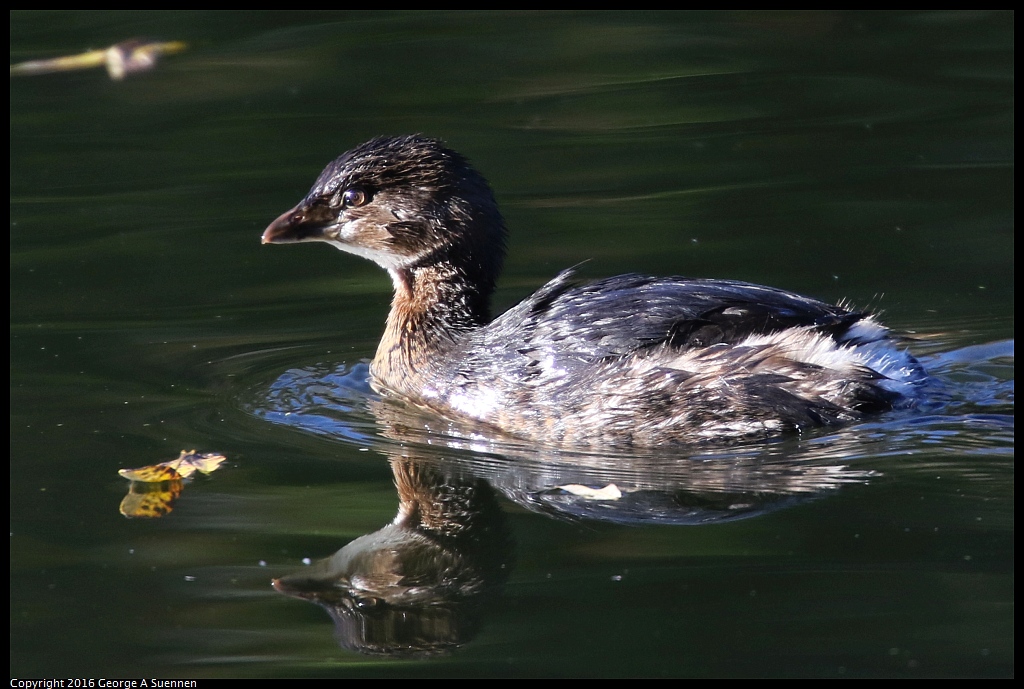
[
  {"x": 626, "y": 360},
  {"x": 121, "y": 59},
  {"x": 415, "y": 586}
]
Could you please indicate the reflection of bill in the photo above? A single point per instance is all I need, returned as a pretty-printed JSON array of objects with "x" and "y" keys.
[
  {"x": 416, "y": 586},
  {"x": 121, "y": 59}
]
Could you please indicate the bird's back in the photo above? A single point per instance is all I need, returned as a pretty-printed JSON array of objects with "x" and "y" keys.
[{"x": 642, "y": 360}]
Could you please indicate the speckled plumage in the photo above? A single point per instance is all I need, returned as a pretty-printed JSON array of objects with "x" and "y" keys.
[{"x": 631, "y": 359}]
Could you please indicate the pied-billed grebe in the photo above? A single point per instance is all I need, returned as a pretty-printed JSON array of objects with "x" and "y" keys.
[{"x": 627, "y": 360}]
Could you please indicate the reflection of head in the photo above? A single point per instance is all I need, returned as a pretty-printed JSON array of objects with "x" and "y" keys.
[
  {"x": 415, "y": 586},
  {"x": 420, "y": 632}
]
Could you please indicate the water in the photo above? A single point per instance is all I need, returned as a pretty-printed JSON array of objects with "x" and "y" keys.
[{"x": 857, "y": 156}]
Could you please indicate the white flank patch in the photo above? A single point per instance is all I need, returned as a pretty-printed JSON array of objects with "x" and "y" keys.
[{"x": 805, "y": 345}]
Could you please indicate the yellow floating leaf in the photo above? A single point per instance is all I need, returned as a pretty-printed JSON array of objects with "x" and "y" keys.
[
  {"x": 150, "y": 500},
  {"x": 187, "y": 463},
  {"x": 191, "y": 461},
  {"x": 151, "y": 474},
  {"x": 609, "y": 492},
  {"x": 120, "y": 59}
]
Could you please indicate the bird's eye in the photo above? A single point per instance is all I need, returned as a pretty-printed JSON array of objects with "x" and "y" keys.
[
  {"x": 365, "y": 602},
  {"x": 353, "y": 198},
  {"x": 350, "y": 198}
]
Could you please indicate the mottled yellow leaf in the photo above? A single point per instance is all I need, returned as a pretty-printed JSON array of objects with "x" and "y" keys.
[{"x": 151, "y": 474}]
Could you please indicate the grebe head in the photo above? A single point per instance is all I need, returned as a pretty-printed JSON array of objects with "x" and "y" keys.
[{"x": 405, "y": 203}]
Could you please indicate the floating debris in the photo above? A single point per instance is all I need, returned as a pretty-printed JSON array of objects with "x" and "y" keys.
[
  {"x": 609, "y": 492},
  {"x": 154, "y": 488},
  {"x": 121, "y": 59},
  {"x": 187, "y": 463}
]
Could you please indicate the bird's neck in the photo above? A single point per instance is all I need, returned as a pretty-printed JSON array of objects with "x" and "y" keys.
[{"x": 435, "y": 306}]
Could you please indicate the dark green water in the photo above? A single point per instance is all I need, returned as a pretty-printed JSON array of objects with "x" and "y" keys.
[{"x": 863, "y": 156}]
